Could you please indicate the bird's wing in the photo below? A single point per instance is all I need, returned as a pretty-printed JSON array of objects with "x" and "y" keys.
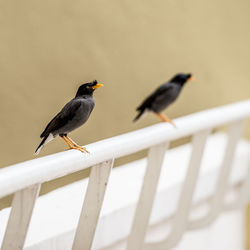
[
  {"x": 154, "y": 96},
  {"x": 65, "y": 115}
]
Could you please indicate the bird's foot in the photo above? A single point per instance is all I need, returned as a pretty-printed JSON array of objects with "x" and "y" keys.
[
  {"x": 80, "y": 148},
  {"x": 166, "y": 119},
  {"x": 73, "y": 145},
  {"x": 171, "y": 122}
]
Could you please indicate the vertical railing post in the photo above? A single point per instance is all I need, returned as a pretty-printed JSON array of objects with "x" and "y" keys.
[
  {"x": 92, "y": 205},
  {"x": 144, "y": 205},
  {"x": 217, "y": 202},
  {"x": 185, "y": 200},
  {"x": 243, "y": 193},
  {"x": 20, "y": 216}
]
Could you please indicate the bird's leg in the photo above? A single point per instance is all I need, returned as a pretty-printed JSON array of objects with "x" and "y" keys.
[
  {"x": 76, "y": 146},
  {"x": 82, "y": 149},
  {"x": 165, "y": 119},
  {"x": 70, "y": 146},
  {"x": 72, "y": 142}
]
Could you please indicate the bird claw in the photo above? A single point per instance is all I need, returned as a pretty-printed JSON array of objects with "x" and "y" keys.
[
  {"x": 83, "y": 149},
  {"x": 172, "y": 123},
  {"x": 166, "y": 119},
  {"x": 80, "y": 148}
]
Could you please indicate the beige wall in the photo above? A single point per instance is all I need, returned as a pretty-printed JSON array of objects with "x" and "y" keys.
[{"x": 49, "y": 47}]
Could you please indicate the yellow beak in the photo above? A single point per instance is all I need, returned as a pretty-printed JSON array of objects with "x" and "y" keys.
[
  {"x": 98, "y": 85},
  {"x": 191, "y": 79}
]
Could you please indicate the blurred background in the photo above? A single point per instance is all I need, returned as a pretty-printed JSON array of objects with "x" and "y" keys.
[{"x": 48, "y": 48}]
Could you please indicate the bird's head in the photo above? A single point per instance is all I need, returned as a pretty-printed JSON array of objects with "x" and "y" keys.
[
  {"x": 88, "y": 88},
  {"x": 182, "y": 78}
]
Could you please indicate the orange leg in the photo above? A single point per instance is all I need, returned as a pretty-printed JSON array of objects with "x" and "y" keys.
[
  {"x": 70, "y": 146},
  {"x": 76, "y": 145},
  {"x": 73, "y": 145},
  {"x": 165, "y": 119}
]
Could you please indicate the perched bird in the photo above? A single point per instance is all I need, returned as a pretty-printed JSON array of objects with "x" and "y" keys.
[
  {"x": 163, "y": 96},
  {"x": 73, "y": 115}
]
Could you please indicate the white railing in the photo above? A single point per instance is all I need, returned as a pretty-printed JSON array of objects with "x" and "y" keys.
[{"x": 25, "y": 179}]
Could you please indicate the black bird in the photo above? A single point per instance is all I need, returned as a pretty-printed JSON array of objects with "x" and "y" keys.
[
  {"x": 73, "y": 115},
  {"x": 163, "y": 96}
]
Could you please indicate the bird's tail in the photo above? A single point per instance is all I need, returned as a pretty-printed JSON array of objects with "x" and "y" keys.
[
  {"x": 45, "y": 140},
  {"x": 141, "y": 112}
]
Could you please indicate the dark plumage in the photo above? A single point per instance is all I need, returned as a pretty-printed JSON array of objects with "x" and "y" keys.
[
  {"x": 163, "y": 96},
  {"x": 73, "y": 115}
]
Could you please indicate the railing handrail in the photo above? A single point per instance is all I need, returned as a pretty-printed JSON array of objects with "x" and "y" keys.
[{"x": 25, "y": 174}]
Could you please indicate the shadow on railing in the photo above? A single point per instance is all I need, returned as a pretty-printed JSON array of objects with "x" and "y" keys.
[{"x": 25, "y": 179}]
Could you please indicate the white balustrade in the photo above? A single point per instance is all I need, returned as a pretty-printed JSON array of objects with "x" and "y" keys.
[
  {"x": 21, "y": 212},
  {"x": 24, "y": 179},
  {"x": 98, "y": 181}
]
